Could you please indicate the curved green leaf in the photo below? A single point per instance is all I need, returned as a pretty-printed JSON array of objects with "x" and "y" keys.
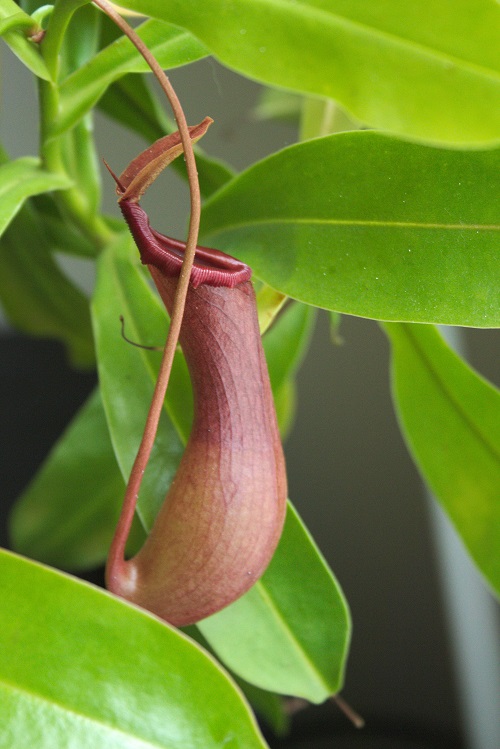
[
  {"x": 286, "y": 341},
  {"x": 127, "y": 375},
  {"x": 36, "y": 295},
  {"x": 268, "y": 705},
  {"x": 285, "y": 345},
  {"x": 450, "y": 417},
  {"x": 15, "y": 26},
  {"x": 81, "y": 90},
  {"x": 370, "y": 226},
  {"x": 80, "y": 668},
  {"x": 393, "y": 65},
  {"x": 19, "y": 180},
  {"x": 290, "y": 633},
  {"x": 68, "y": 514}
]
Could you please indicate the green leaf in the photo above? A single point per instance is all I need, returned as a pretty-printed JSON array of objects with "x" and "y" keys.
[
  {"x": 36, "y": 295},
  {"x": 370, "y": 226},
  {"x": 68, "y": 514},
  {"x": 391, "y": 64},
  {"x": 290, "y": 632},
  {"x": 15, "y": 28},
  {"x": 80, "y": 668},
  {"x": 62, "y": 236},
  {"x": 450, "y": 417},
  {"x": 314, "y": 647},
  {"x": 81, "y": 90},
  {"x": 127, "y": 374},
  {"x": 19, "y": 180},
  {"x": 285, "y": 345},
  {"x": 268, "y": 705}
]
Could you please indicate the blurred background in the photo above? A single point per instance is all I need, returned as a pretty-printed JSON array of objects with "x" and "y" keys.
[{"x": 424, "y": 667}]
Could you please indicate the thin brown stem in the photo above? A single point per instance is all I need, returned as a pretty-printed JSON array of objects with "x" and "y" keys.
[
  {"x": 356, "y": 719},
  {"x": 117, "y": 551}
]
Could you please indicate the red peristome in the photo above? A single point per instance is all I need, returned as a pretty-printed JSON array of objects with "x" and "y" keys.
[{"x": 211, "y": 267}]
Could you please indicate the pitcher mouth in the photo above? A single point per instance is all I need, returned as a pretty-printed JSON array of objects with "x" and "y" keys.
[{"x": 211, "y": 267}]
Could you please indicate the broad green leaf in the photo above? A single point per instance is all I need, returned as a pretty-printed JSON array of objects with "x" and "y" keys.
[
  {"x": 127, "y": 374},
  {"x": 393, "y": 65},
  {"x": 36, "y": 295},
  {"x": 450, "y": 417},
  {"x": 130, "y": 102},
  {"x": 19, "y": 180},
  {"x": 67, "y": 515},
  {"x": 370, "y": 226},
  {"x": 290, "y": 632},
  {"x": 171, "y": 46},
  {"x": 320, "y": 630},
  {"x": 80, "y": 668},
  {"x": 15, "y": 28}
]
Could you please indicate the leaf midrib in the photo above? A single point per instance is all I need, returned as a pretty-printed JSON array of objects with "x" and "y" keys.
[
  {"x": 312, "y": 221},
  {"x": 296, "y": 644}
]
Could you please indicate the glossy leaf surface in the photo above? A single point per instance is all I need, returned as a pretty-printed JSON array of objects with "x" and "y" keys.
[
  {"x": 80, "y": 91},
  {"x": 393, "y": 65},
  {"x": 450, "y": 417},
  {"x": 80, "y": 666},
  {"x": 290, "y": 633},
  {"x": 19, "y": 180},
  {"x": 370, "y": 226},
  {"x": 126, "y": 374},
  {"x": 68, "y": 514}
]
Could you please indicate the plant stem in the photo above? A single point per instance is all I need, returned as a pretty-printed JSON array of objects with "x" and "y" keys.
[
  {"x": 117, "y": 551},
  {"x": 71, "y": 201}
]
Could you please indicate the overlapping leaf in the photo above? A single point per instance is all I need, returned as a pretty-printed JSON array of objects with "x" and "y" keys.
[
  {"x": 19, "y": 180},
  {"x": 127, "y": 374},
  {"x": 290, "y": 633},
  {"x": 68, "y": 514},
  {"x": 393, "y": 65},
  {"x": 80, "y": 666},
  {"x": 171, "y": 46},
  {"x": 370, "y": 226},
  {"x": 15, "y": 28},
  {"x": 450, "y": 417},
  {"x": 36, "y": 295}
]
